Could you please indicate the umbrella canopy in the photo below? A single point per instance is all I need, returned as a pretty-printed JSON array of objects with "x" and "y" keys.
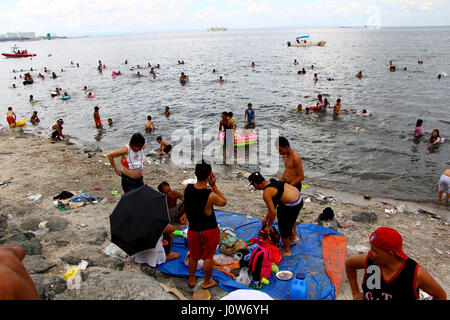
[{"x": 139, "y": 220}]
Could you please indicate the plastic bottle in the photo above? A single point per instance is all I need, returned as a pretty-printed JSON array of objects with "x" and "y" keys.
[
  {"x": 265, "y": 281},
  {"x": 298, "y": 289}
]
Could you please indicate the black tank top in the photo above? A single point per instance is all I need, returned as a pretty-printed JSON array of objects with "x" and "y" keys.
[
  {"x": 400, "y": 287},
  {"x": 279, "y": 185},
  {"x": 194, "y": 205}
]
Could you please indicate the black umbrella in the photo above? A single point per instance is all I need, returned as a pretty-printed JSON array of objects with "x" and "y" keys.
[{"x": 139, "y": 219}]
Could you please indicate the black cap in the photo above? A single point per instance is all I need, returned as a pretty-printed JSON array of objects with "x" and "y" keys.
[{"x": 255, "y": 177}]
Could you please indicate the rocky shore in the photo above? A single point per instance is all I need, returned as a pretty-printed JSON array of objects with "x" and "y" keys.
[{"x": 34, "y": 170}]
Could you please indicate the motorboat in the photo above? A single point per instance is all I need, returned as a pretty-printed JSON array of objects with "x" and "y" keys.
[
  {"x": 303, "y": 42},
  {"x": 16, "y": 52}
]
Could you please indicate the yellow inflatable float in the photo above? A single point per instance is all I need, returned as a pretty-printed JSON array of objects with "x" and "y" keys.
[{"x": 20, "y": 123}]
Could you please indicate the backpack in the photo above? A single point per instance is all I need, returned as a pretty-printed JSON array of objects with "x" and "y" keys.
[
  {"x": 260, "y": 263},
  {"x": 272, "y": 237},
  {"x": 275, "y": 254}
]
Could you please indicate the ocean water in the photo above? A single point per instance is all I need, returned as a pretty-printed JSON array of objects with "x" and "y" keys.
[{"x": 375, "y": 155}]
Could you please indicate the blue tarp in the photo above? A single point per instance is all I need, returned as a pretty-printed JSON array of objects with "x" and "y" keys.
[
  {"x": 306, "y": 258},
  {"x": 302, "y": 37}
]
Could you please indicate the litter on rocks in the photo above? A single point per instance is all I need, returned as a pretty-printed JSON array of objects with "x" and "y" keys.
[
  {"x": 73, "y": 275},
  {"x": 35, "y": 197},
  {"x": 115, "y": 252}
]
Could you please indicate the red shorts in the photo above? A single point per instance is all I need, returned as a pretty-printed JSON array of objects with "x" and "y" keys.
[
  {"x": 98, "y": 122},
  {"x": 11, "y": 120},
  {"x": 203, "y": 244}
]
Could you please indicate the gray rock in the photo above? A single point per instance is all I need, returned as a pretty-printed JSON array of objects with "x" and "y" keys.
[
  {"x": 365, "y": 217},
  {"x": 32, "y": 224},
  {"x": 92, "y": 148},
  {"x": 17, "y": 130},
  {"x": 97, "y": 237},
  {"x": 94, "y": 257},
  {"x": 57, "y": 223},
  {"x": 3, "y": 222},
  {"x": 49, "y": 286},
  {"x": 26, "y": 240},
  {"x": 126, "y": 285},
  {"x": 37, "y": 264},
  {"x": 62, "y": 238}
]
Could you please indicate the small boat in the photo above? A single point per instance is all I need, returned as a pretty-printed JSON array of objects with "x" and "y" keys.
[
  {"x": 305, "y": 43},
  {"x": 216, "y": 29},
  {"x": 17, "y": 53}
]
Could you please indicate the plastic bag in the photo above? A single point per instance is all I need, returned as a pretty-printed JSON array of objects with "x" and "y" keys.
[
  {"x": 224, "y": 260},
  {"x": 245, "y": 276},
  {"x": 114, "y": 251},
  {"x": 199, "y": 264},
  {"x": 73, "y": 275}
]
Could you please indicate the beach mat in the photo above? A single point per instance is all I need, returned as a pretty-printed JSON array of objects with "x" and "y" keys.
[{"x": 307, "y": 257}]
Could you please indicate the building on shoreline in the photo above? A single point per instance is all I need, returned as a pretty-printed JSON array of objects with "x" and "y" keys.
[{"x": 14, "y": 36}]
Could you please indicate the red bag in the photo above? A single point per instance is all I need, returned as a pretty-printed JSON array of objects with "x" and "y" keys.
[
  {"x": 260, "y": 263},
  {"x": 272, "y": 237},
  {"x": 275, "y": 254}
]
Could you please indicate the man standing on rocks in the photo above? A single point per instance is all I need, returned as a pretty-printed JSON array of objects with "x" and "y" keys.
[
  {"x": 293, "y": 170},
  {"x": 15, "y": 282},
  {"x": 203, "y": 233}
]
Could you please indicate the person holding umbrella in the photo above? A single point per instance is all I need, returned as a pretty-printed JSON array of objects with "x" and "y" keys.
[
  {"x": 203, "y": 233},
  {"x": 132, "y": 162}
]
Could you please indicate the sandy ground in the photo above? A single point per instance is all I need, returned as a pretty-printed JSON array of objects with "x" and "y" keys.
[{"x": 37, "y": 166}]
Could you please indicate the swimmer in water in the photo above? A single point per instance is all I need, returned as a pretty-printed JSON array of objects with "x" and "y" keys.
[
  {"x": 418, "y": 131},
  {"x": 315, "y": 79},
  {"x": 31, "y": 98},
  {"x": 85, "y": 88},
  {"x": 34, "y": 118},
  {"x": 167, "y": 112},
  {"x": 359, "y": 75},
  {"x": 221, "y": 79},
  {"x": 336, "y": 109},
  {"x": 14, "y": 85},
  {"x": 149, "y": 126},
  {"x": 253, "y": 65},
  {"x": 90, "y": 95},
  {"x": 110, "y": 122},
  {"x": 299, "y": 108},
  {"x": 183, "y": 78}
]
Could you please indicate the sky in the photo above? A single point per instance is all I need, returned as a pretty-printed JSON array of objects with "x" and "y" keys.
[{"x": 93, "y": 17}]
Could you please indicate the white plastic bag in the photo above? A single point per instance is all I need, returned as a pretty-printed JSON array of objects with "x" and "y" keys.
[
  {"x": 199, "y": 264},
  {"x": 245, "y": 276},
  {"x": 224, "y": 260},
  {"x": 73, "y": 275},
  {"x": 114, "y": 251}
]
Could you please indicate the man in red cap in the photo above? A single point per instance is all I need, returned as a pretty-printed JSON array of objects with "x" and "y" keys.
[{"x": 388, "y": 272}]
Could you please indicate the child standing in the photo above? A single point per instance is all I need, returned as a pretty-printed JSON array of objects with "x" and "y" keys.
[
  {"x": 98, "y": 122},
  {"x": 418, "y": 131},
  {"x": 149, "y": 126},
  {"x": 11, "y": 117},
  {"x": 336, "y": 108}
]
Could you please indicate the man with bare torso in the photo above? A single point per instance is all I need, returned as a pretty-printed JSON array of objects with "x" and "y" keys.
[
  {"x": 176, "y": 208},
  {"x": 293, "y": 172},
  {"x": 15, "y": 282}
]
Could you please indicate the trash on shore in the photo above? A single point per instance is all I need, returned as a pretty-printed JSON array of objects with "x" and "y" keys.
[
  {"x": 35, "y": 197},
  {"x": 73, "y": 275},
  {"x": 422, "y": 211},
  {"x": 367, "y": 197},
  {"x": 115, "y": 252},
  {"x": 173, "y": 290}
]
